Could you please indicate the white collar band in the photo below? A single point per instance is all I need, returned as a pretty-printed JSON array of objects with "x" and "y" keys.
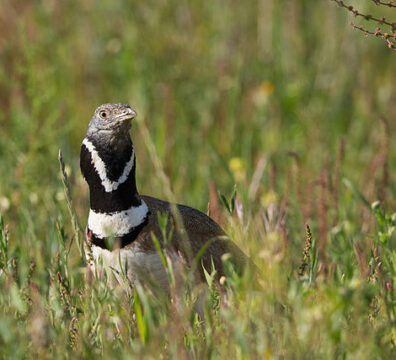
[{"x": 118, "y": 223}]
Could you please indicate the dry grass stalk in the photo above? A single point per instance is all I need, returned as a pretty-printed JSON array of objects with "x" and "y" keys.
[
  {"x": 64, "y": 293},
  {"x": 307, "y": 248},
  {"x": 73, "y": 333},
  {"x": 362, "y": 261},
  {"x": 376, "y": 267},
  {"x": 32, "y": 267},
  {"x": 169, "y": 109},
  {"x": 336, "y": 177},
  {"x": 303, "y": 193},
  {"x": 214, "y": 205},
  {"x": 285, "y": 238},
  {"x": 332, "y": 269},
  {"x": 88, "y": 246},
  {"x": 286, "y": 192},
  {"x": 322, "y": 212},
  {"x": 284, "y": 210},
  {"x": 272, "y": 177},
  {"x": 385, "y": 167},
  {"x": 166, "y": 186},
  {"x": 74, "y": 219},
  {"x": 373, "y": 193},
  {"x": 309, "y": 201},
  {"x": 257, "y": 176},
  {"x": 14, "y": 266}
]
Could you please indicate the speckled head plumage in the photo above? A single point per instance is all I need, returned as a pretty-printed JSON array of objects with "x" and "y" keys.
[
  {"x": 111, "y": 120},
  {"x": 107, "y": 162}
]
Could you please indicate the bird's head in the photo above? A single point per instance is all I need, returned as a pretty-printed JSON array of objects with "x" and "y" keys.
[{"x": 111, "y": 120}]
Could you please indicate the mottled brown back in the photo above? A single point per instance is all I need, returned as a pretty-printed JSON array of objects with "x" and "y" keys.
[{"x": 199, "y": 229}]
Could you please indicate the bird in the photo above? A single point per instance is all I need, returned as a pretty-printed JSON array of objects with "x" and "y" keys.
[{"x": 119, "y": 213}]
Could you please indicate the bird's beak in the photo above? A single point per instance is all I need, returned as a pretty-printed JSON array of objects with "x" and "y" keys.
[{"x": 127, "y": 114}]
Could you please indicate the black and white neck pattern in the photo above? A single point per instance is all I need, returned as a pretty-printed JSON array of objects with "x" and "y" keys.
[
  {"x": 102, "y": 170},
  {"x": 116, "y": 208}
]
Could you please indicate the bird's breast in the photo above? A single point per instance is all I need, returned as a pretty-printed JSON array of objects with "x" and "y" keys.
[{"x": 132, "y": 264}]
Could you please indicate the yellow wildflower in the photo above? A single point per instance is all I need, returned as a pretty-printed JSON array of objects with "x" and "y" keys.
[
  {"x": 267, "y": 87},
  {"x": 270, "y": 197},
  {"x": 237, "y": 167}
]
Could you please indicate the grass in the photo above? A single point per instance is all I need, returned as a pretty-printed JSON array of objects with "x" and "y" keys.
[{"x": 281, "y": 99}]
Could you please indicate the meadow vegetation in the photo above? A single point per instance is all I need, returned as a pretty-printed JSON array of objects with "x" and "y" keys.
[{"x": 280, "y": 100}]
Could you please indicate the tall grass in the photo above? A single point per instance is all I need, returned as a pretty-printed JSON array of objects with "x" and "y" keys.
[{"x": 280, "y": 98}]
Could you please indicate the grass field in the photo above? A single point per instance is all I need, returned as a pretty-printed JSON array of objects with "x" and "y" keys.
[{"x": 281, "y": 99}]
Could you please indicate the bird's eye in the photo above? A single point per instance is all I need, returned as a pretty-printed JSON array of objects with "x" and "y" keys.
[{"x": 103, "y": 114}]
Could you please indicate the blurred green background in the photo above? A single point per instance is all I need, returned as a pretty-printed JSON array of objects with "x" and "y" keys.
[
  {"x": 211, "y": 80},
  {"x": 218, "y": 85},
  {"x": 282, "y": 98}
]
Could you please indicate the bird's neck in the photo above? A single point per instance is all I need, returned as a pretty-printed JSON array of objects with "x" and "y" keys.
[{"x": 109, "y": 168}]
